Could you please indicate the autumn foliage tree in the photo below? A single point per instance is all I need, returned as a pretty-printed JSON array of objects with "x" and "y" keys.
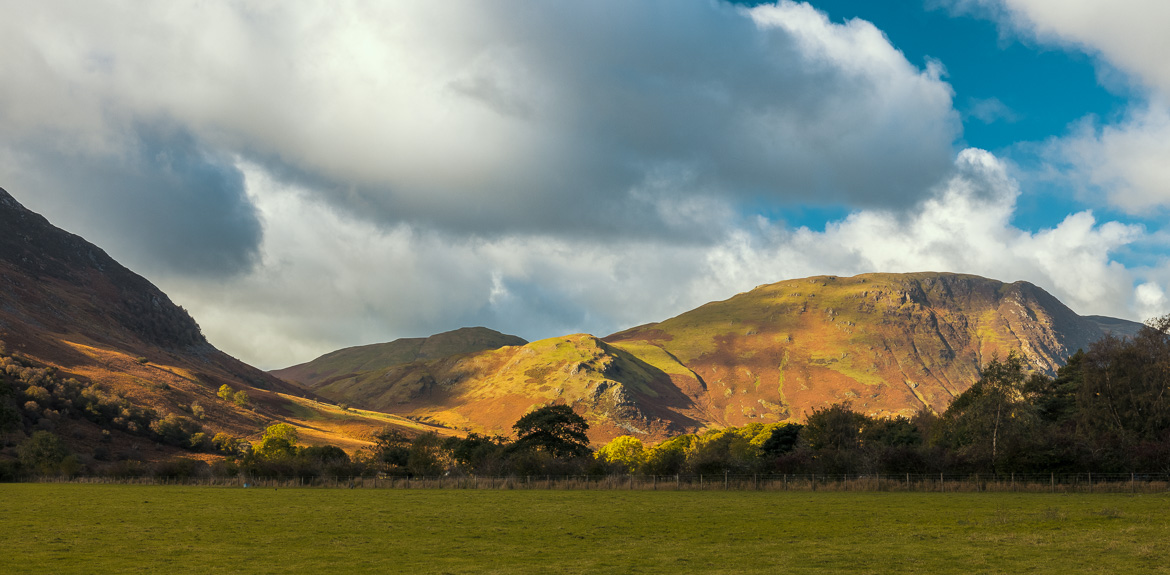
[{"x": 625, "y": 453}]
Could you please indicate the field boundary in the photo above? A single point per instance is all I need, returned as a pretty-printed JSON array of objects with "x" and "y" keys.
[{"x": 911, "y": 482}]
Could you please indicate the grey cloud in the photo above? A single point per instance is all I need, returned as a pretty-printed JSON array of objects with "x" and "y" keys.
[
  {"x": 159, "y": 203},
  {"x": 626, "y": 92},
  {"x": 329, "y": 280},
  {"x": 490, "y": 117},
  {"x": 535, "y": 309}
]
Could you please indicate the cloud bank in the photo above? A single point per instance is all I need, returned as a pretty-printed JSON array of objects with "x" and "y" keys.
[
  {"x": 488, "y": 117},
  {"x": 329, "y": 279},
  {"x": 305, "y": 177}
]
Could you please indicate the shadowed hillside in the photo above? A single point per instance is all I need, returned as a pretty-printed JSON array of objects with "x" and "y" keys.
[{"x": 71, "y": 312}]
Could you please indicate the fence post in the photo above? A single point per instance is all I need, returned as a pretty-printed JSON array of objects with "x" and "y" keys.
[
  {"x": 1090, "y": 482},
  {"x": 1052, "y": 478},
  {"x": 725, "y": 480}
]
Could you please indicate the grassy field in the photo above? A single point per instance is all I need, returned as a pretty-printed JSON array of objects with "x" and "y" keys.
[{"x": 49, "y": 528}]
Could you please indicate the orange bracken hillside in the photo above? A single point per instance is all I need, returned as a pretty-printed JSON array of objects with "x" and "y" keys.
[{"x": 888, "y": 343}]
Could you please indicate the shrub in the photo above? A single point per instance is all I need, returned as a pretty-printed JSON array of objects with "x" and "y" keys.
[
  {"x": 324, "y": 454},
  {"x": 670, "y": 456},
  {"x": 279, "y": 442},
  {"x": 198, "y": 441},
  {"x": 38, "y": 394},
  {"x": 127, "y": 468},
  {"x": 625, "y": 453},
  {"x": 241, "y": 398},
  {"x": 176, "y": 430},
  {"x": 44, "y": 453},
  {"x": 427, "y": 457},
  {"x": 226, "y": 444},
  {"x": 181, "y": 467}
]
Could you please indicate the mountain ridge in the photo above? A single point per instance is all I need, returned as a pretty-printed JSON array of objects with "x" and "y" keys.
[
  {"x": 376, "y": 356},
  {"x": 889, "y": 344}
]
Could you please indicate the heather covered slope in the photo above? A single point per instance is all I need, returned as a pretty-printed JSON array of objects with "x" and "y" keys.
[
  {"x": 365, "y": 358},
  {"x": 888, "y": 343},
  {"x": 67, "y": 306}
]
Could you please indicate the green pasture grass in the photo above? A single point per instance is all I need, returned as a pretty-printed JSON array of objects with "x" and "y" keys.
[{"x": 62, "y": 528}]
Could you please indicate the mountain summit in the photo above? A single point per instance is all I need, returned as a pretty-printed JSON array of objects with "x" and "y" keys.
[
  {"x": 365, "y": 358},
  {"x": 889, "y": 344}
]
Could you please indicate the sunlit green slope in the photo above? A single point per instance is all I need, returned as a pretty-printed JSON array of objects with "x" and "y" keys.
[{"x": 888, "y": 343}]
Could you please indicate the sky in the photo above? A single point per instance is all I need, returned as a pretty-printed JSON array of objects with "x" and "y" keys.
[{"x": 309, "y": 176}]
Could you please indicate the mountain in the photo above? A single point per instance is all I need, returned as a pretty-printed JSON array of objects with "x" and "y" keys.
[
  {"x": 488, "y": 391},
  {"x": 352, "y": 360},
  {"x": 888, "y": 343},
  {"x": 70, "y": 312}
]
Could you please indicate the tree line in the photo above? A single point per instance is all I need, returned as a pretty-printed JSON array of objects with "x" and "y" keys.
[{"x": 1106, "y": 410}]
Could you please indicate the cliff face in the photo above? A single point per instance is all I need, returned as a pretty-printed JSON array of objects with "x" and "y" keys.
[{"x": 888, "y": 343}]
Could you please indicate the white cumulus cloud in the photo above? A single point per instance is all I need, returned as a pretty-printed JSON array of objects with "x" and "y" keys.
[
  {"x": 482, "y": 117},
  {"x": 327, "y": 279},
  {"x": 1123, "y": 160}
]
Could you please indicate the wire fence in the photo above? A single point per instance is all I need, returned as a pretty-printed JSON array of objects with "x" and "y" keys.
[{"x": 916, "y": 482}]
